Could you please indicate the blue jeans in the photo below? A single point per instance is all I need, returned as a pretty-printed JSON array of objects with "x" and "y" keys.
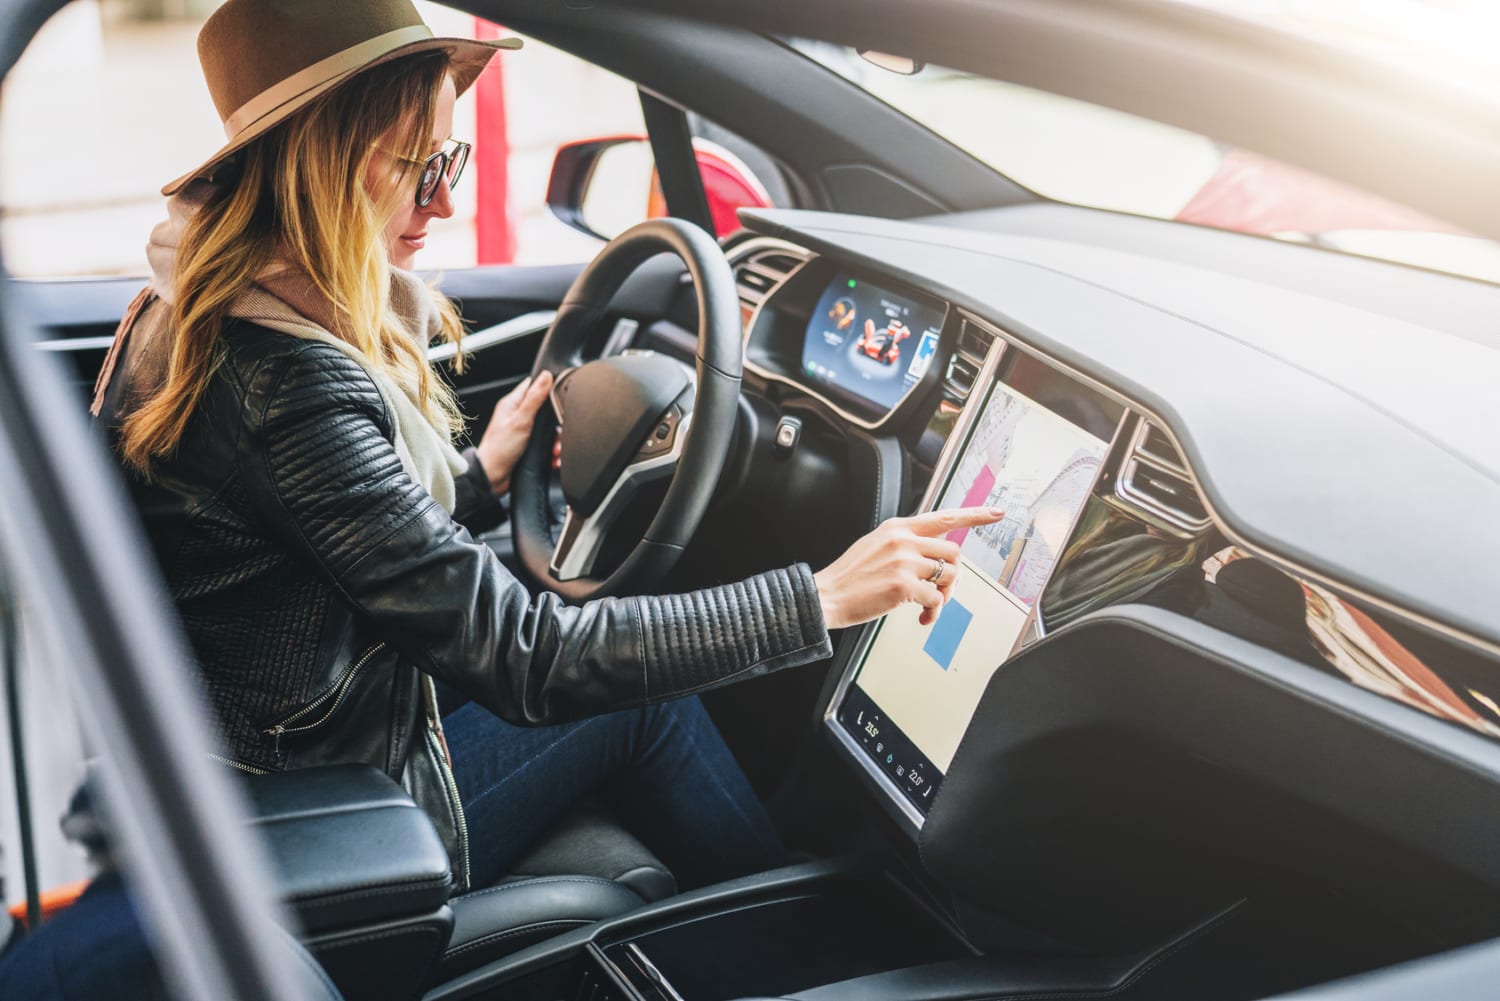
[
  {"x": 663, "y": 770},
  {"x": 96, "y": 948}
]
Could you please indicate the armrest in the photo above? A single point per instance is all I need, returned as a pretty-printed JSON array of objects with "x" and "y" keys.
[{"x": 350, "y": 847}]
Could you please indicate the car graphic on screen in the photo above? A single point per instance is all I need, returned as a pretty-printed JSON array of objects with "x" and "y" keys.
[{"x": 883, "y": 345}]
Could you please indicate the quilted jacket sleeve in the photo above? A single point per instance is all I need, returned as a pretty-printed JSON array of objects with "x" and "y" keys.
[{"x": 318, "y": 463}]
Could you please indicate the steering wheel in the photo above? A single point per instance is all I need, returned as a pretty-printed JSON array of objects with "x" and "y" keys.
[{"x": 628, "y": 420}]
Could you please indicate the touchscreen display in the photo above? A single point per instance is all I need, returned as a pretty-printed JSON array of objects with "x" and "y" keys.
[
  {"x": 867, "y": 342},
  {"x": 918, "y": 686}
]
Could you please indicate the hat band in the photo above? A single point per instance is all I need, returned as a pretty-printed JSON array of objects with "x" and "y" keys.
[{"x": 320, "y": 72}]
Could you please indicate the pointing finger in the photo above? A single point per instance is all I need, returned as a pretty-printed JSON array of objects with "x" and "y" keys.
[{"x": 939, "y": 522}]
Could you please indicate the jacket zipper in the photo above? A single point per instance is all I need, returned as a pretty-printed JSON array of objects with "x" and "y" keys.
[
  {"x": 455, "y": 804},
  {"x": 238, "y": 764},
  {"x": 332, "y": 698}
]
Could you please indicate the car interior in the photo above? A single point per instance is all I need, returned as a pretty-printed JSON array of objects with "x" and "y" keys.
[{"x": 1214, "y": 712}]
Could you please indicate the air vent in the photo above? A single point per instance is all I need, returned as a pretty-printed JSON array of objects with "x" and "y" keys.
[
  {"x": 758, "y": 268},
  {"x": 755, "y": 281},
  {"x": 961, "y": 375},
  {"x": 784, "y": 263},
  {"x": 974, "y": 344},
  {"x": 1156, "y": 483},
  {"x": 1157, "y": 447}
]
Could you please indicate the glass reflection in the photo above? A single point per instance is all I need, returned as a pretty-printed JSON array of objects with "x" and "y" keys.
[
  {"x": 1115, "y": 558},
  {"x": 1353, "y": 644}
]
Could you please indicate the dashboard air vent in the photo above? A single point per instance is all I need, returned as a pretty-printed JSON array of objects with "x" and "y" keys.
[
  {"x": 784, "y": 263},
  {"x": 1156, "y": 482},
  {"x": 974, "y": 344},
  {"x": 1157, "y": 447},
  {"x": 759, "y": 268}
]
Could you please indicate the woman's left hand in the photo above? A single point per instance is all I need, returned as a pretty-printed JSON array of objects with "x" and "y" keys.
[{"x": 509, "y": 429}]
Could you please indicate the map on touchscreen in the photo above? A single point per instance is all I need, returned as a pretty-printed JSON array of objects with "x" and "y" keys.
[
  {"x": 1038, "y": 468},
  {"x": 921, "y": 684}
]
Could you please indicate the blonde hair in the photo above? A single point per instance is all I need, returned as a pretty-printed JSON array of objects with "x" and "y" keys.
[{"x": 299, "y": 197}]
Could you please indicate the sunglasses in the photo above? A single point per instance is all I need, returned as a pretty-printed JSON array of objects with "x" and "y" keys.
[{"x": 447, "y": 162}]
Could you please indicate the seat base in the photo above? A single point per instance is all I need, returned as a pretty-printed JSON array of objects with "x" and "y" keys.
[{"x": 590, "y": 842}]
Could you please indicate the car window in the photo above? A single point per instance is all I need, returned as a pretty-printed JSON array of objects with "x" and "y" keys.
[
  {"x": 117, "y": 88},
  {"x": 1073, "y": 151}
]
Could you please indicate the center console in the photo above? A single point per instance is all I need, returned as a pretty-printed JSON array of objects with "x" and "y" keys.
[
  {"x": 770, "y": 935},
  {"x": 830, "y": 932}
]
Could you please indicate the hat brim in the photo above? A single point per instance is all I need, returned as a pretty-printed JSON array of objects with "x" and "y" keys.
[{"x": 469, "y": 58}]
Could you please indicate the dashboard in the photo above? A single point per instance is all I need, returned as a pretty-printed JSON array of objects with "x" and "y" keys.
[{"x": 1104, "y": 507}]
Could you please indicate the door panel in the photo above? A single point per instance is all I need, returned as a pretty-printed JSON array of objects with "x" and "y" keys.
[
  {"x": 78, "y": 316},
  {"x": 506, "y": 310},
  {"x": 77, "y": 319}
]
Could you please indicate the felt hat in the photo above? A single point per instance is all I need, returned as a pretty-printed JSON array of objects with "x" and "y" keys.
[{"x": 265, "y": 59}]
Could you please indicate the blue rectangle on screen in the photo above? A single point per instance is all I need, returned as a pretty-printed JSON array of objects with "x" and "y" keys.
[{"x": 947, "y": 632}]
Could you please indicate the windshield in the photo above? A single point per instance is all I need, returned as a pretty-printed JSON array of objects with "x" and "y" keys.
[{"x": 1072, "y": 151}]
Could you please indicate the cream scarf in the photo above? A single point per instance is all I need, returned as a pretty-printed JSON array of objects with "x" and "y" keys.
[{"x": 288, "y": 302}]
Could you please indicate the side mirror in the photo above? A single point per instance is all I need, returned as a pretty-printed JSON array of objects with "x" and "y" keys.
[
  {"x": 891, "y": 63},
  {"x": 602, "y": 187}
]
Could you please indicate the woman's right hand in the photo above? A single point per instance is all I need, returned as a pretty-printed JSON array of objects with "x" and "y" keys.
[{"x": 895, "y": 564}]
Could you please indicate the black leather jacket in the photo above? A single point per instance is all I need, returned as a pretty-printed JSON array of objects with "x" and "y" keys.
[{"x": 321, "y": 588}]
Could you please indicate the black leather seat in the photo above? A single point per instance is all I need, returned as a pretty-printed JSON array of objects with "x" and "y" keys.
[
  {"x": 591, "y": 842},
  {"x": 590, "y": 868},
  {"x": 366, "y": 873}
]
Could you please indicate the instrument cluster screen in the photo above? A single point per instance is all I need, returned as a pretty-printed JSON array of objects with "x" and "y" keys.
[
  {"x": 870, "y": 343},
  {"x": 916, "y": 687}
]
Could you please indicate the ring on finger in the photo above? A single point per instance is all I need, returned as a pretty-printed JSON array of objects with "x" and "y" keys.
[{"x": 939, "y": 566}]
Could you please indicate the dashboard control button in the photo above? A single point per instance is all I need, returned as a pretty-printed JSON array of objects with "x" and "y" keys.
[{"x": 788, "y": 433}]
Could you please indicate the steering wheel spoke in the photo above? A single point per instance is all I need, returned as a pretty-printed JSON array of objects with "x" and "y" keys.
[
  {"x": 556, "y": 398},
  {"x": 582, "y": 539}
]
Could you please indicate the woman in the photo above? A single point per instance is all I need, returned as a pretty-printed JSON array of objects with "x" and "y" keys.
[{"x": 290, "y": 452}]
